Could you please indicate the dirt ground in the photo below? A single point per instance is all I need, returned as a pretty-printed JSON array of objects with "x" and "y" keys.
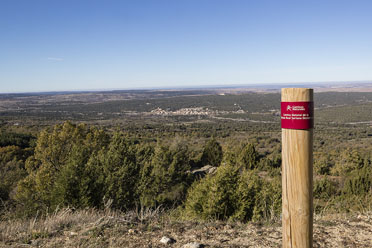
[{"x": 95, "y": 229}]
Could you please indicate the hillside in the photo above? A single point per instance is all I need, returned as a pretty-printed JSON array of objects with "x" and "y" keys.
[{"x": 210, "y": 160}]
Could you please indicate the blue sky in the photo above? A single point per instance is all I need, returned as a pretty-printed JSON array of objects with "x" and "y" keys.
[{"x": 53, "y": 45}]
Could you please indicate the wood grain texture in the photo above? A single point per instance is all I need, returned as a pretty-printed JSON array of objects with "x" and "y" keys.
[{"x": 297, "y": 178}]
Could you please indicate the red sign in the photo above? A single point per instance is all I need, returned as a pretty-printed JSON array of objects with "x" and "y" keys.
[{"x": 297, "y": 115}]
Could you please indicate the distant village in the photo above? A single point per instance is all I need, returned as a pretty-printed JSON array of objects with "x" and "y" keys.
[{"x": 188, "y": 111}]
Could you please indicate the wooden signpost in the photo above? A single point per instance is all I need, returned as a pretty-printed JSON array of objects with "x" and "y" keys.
[{"x": 297, "y": 119}]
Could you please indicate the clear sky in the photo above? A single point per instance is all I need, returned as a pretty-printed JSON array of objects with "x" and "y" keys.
[{"x": 48, "y": 45}]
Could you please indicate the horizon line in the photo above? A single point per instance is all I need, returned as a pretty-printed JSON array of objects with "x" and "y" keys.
[{"x": 193, "y": 87}]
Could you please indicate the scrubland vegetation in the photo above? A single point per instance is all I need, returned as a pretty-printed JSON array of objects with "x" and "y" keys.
[
  {"x": 80, "y": 166},
  {"x": 192, "y": 169}
]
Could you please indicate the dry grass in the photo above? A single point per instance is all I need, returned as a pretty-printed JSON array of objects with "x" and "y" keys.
[
  {"x": 20, "y": 232},
  {"x": 145, "y": 227}
]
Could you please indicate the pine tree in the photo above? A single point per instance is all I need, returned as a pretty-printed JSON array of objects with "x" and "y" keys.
[
  {"x": 212, "y": 153},
  {"x": 248, "y": 157}
]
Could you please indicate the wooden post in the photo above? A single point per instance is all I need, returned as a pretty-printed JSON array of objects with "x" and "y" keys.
[{"x": 297, "y": 167}]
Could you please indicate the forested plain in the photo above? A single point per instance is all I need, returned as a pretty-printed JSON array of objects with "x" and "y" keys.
[{"x": 196, "y": 156}]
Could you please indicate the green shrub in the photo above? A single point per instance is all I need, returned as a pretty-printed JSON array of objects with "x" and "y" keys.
[
  {"x": 15, "y": 139},
  {"x": 323, "y": 165},
  {"x": 121, "y": 172},
  {"x": 57, "y": 169},
  {"x": 359, "y": 182},
  {"x": 324, "y": 188},
  {"x": 164, "y": 178},
  {"x": 268, "y": 203},
  {"x": 212, "y": 153},
  {"x": 11, "y": 169},
  {"x": 213, "y": 196},
  {"x": 248, "y": 157},
  {"x": 257, "y": 198},
  {"x": 249, "y": 185},
  {"x": 231, "y": 195},
  {"x": 347, "y": 162}
]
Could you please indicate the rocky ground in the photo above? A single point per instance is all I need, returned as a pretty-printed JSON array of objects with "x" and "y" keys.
[{"x": 91, "y": 228}]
